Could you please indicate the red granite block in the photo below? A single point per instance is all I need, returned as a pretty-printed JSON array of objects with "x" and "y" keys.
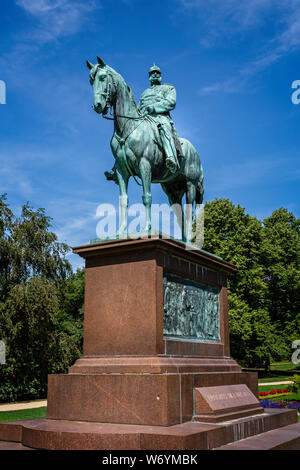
[{"x": 152, "y": 399}]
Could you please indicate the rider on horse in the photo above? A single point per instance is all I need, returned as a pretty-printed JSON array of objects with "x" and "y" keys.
[{"x": 156, "y": 103}]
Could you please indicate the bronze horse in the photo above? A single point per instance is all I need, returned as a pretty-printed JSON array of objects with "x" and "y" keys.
[{"x": 137, "y": 149}]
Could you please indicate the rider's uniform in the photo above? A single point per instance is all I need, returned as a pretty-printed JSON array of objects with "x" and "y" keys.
[{"x": 162, "y": 99}]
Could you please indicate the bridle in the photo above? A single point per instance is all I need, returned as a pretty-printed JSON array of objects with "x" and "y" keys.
[
  {"x": 109, "y": 105},
  {"x": 108, "y": 99}
]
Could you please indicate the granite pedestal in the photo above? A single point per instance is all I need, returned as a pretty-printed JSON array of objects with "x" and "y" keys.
[{"x": 149, "y": 379}]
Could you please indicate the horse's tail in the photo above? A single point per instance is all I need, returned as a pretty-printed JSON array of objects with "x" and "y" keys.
[
  {"x": 200, "y": 188},
  {"x": 192, "y": 158}
]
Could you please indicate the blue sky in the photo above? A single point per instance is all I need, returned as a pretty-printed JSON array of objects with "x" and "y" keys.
[{"x": 232, "y": 63}]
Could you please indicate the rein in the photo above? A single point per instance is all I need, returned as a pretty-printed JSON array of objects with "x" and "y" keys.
[
  {"x": 108, "y": 103},
  {"x": 121, "y": 116},
  {"x": 120, "y": 140}
]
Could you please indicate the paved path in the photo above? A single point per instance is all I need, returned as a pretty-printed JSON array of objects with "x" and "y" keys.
[
  {"x": 23, "y": 405},
  {"x": 276, "y": 383}
]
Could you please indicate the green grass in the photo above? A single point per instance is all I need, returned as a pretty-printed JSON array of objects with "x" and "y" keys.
[
  {"x": 294, "y": 396},
  {"x": 280, "y": 371},
  {"x": 268, "y": 388},
  {"x": 23, "y": 414},
  {"x": 279, "y": 378},
  {"x": 285, "y": 366}
]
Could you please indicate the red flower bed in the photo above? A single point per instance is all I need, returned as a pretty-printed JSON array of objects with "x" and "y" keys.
[{"x": 273, "y": 392}]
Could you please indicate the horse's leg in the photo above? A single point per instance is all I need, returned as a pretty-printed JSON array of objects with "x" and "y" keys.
[
  {"x": 123, "y": 178},
  {"x": 175, "y": 201},
  {"x": 189, "y": 211},
  {"x": 145, "y": 173}
]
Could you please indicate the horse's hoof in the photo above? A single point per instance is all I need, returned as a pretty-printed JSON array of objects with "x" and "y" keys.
[{"x": 121, "y": 234}]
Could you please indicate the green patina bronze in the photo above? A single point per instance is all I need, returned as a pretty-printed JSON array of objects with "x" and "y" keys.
[
  {"x": 191, "y": 310},
  {"x": 145, "y": 145},
  {"x": 157, "y": 102}
]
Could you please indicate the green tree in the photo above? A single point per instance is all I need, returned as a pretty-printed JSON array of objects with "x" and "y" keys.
[
  {"x": 264, "y": 293},
  {"x": 74, "y": 294},
  {"x": 280, "y": 254},
  {"x": 254, "y": 339},
  {"x": 70, "y": 316},
  {"x": 36, "y": 343},
  {"x": 236, "y": 237},
  {"x": 41, "y": 303},
  {"x": 29, "y": 248},
  {"x": 6, "y": 251}
]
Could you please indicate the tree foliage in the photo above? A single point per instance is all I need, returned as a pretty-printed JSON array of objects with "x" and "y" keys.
[
  {"x": 280, "y": 256},
  {"x": 28, "y": 248},
  {"x": 41, "y": 303},
  {"x": 264, "y": 293}
]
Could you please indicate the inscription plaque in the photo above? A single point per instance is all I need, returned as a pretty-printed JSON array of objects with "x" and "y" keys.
[
  {"x": 224, "y": 402},
  {"x": 191, "y": 309}
]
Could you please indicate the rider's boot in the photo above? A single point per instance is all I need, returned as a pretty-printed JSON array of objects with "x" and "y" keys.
[
  {"x": 111, "y": 175},
  {"x": 170, "y": 151}
]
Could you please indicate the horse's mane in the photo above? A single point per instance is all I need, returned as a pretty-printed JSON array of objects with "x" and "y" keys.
[
  {"x": 116, "y": 78},
  {"x": 121, "y": 80}
]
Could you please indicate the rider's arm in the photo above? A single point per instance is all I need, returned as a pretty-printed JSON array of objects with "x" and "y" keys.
[{"x": 167, "y": 102}]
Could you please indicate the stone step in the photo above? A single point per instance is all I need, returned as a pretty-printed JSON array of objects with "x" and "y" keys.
[
  {"x": 77, "y": 435},
  {"x": 285, "y": 438},
  {"x": 7, "y": 445}
]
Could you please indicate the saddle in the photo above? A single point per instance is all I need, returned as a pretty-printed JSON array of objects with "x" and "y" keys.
[
  {"x": 112, "y": 176},
  {"x": 158, "y": 139}
]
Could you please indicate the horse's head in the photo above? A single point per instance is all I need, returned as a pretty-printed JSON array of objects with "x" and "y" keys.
[{"x": 101, "y": 80}]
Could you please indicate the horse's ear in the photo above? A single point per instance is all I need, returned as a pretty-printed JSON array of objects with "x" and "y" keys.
[
  {"x": 100, "y": 61},
  {"x": 89, "y": 65}
]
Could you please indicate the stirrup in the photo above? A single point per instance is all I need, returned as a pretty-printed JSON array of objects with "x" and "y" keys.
[{"x": 171, "y": 165}]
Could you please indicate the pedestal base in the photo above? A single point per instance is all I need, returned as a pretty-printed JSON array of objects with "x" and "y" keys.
[
  {"x": 155, "y": 336},
  {"x": 139, "y": 390},
  {"x": 73, "y": 435}
]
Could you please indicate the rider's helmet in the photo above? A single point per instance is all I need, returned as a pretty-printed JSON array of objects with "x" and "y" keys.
[{"x": 154, "y": 68}]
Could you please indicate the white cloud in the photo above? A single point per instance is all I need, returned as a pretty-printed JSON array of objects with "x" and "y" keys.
[
  {"x": 56, "y": 18},
  {"x": 230, "y": 16},
  {"x": 37, "y": 7},
  {"x": 53, "y": 20},
  {"x": 13, "y": 176},
  {"x": 74, "y": 219},
  {"x": 280, "y": 22}
]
